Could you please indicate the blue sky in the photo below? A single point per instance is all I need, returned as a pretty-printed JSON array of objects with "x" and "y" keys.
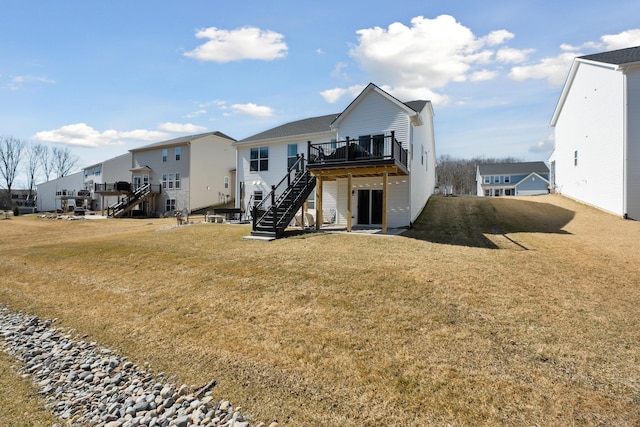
[{"x": 103, "y": 77}]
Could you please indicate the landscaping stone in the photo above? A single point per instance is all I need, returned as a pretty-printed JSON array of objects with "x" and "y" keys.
[{"x": 85, "y": 384}]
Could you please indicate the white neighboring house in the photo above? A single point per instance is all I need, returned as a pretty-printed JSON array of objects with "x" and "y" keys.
[
  {"x": 597, "y": 133},
  {"x": 371, "y": 165},
  {"x": 56, "y": 193},
  {"x": 512, "y": 179}
]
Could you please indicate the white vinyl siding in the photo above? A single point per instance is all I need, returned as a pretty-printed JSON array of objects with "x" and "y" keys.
[
  {"x": 376, "y": 115},
  {"x": 591, "y": 123},
  {"x": 398, "y": 209}
]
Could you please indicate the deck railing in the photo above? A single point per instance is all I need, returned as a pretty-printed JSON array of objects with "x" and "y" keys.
[{"x": 369, "y": 149}]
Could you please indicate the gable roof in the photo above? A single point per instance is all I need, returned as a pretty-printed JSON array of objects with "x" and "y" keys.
[
  {"x": 519, "y": 168},
  {"x": 411, "y": 108},
  {"x": 180, "y": 140},
  {"x": 299, "y": 127},
  {"x": 614, "y": 59}
]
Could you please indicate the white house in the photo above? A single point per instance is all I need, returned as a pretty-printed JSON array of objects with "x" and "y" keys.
[
  {"x": 597, "y": 132},
  {"x": 109, "y": 171},
  {"x": 59, "y": 193},
  {"x": 512, "y": 179},
  {"x": 371, "y": 165}
]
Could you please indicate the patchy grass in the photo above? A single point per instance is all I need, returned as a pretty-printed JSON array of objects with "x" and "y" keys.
[{"x": 490, "y": 311}]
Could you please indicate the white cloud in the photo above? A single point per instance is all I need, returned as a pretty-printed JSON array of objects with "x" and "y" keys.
[
  {"x": 239, "y": 44},
  {"x": 253, "y": 110},
  {"x": 418, "y": 60},
  {"x": 512, "y": 56},
  {"x": 338, "y": 71},
  {"x": 628, "y": 38},
  {"x": 83, "y": 135},
  {"x": 482, "y": 75},
  {"x": 180, "y": 127},
  {"x": 553, "y": 69},
  {"x": 545, "y": 146},
  {"x": 17, "y": 82},
  {"x": 333, "y": 95},
  {"x": 197, "y": 113}
]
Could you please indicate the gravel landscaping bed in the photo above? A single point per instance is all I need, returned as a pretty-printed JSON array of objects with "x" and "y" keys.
[{"x": 88, "y": 385}]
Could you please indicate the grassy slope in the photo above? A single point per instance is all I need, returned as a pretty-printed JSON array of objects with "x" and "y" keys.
[{"x": 523, "y": 312}]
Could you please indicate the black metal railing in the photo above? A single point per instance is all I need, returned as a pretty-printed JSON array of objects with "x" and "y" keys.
[
  {"x": 369, "y": 149},
  {"x": 132, "y": 199},
  {"x": 278, "y": 208}
]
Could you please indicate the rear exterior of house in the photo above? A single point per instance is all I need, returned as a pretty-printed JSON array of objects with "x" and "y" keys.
[
  {"x": 597, "y": 133},
  {"x": 371, "y": 165},
  {"x": 512, "y": 179},
  {"x": 188, "y": 173}
]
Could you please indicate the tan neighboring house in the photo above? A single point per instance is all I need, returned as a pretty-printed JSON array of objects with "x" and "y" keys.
[{"x": 181, "y": 174}]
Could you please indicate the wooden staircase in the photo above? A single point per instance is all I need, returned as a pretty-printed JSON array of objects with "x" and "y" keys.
[
  {"x": 130, "y": 201},
  {"x": 273, "y": 215}
]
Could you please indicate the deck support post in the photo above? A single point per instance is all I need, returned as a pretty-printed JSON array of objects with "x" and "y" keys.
[
  {"x": 385, "y": 186},
  {"x": 319, "y": 219},
  {"x": 349, "y": 200}
]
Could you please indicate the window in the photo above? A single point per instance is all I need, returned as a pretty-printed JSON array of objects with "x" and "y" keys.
[
  {"x": 496, "y": 180},
  {"x": 178, "y": 153},
  {"x": 575, "y": 158},
  {"x": 164, "y": 181},
  {"x": 487, "y": 180},
  {"x": 292, "y": 154},
  {"x": 259, "y": 159},
  {"x": 311, "y": 200},
  {"x": 171, "y": 205},
  {"x": 377, "y": 148},
  {"x": 177, "y": 180},
  {"x": 487, "y": 193},
  {"x": 226, "y": 182},
  {"x": 422, "y": 154},
  {"x": 507, "y": 179},
  {"x": 165, "y": 153},
  {"x": 170, "y": 180}
]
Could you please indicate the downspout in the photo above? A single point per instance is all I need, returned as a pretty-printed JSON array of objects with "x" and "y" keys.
[{"x": 625, "y": 169}]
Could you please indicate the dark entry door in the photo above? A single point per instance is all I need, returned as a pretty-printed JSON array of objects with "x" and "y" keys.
[{"x": 369, "y": 206}]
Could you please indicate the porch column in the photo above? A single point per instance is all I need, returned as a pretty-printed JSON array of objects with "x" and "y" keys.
[
  {"x": 349, "y": 200},
  {"x": 102, "y": 204},
  {"x": 385, "y": 186},
  {"x": 319, "y": 219}
]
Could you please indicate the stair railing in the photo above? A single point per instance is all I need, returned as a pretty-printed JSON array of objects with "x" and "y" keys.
[{"x": 269, "y": 204}]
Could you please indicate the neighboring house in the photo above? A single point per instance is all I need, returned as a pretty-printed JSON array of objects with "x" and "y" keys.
[
  {"x": 63, "y": 193},
  {"x": 184, "y": 174},
  {"x": 109, "y": 171},
  {"x": 597, "y": 132},
  {"x": 512, "y": 179},
  {"x": 372, "y": 165}
]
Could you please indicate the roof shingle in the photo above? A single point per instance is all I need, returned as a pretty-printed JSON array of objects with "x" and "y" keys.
[
  {"x": 616, "y": 57},
  {"x": 520, "y": 168}
]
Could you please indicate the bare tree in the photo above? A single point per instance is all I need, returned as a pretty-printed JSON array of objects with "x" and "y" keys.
[
  {"x": 63, "y": 161},
  {"x": 34, "y": 162},
  {"x": 10, "y": 156},
  {"x": 46, "y": 162}
]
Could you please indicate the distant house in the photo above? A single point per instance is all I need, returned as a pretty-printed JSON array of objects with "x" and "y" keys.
[
  {"x": 597, "y": 132},
  {"x": 371, "y": 165},
  {"x": 60, "y": 193},
  {"x": 180, "y": 174},
  {"x": 512, "y": 179}
]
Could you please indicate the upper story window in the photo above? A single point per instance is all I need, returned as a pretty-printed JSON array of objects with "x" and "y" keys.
[
  {"x": 487, "y": 180},
  {"x": 178, "y": 152},
  {"x": 507, "y": 179},
  {"x": 177, "y": 180},
  {"x": 226, "y": 182},
  {"x": 165, "y": 154},
  {"x": 259, "y": 159},
  {"x": 496, "y": 179}
]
